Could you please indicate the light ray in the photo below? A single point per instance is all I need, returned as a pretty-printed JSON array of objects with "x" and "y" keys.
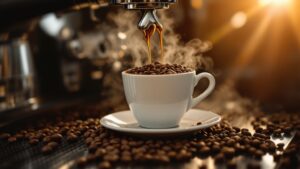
[
  {"x": 246, "y": 54},
  {"x": 293, "y": 15},
  {"x": 226, "y": 29},
  {"x": 249, "y": 47}
]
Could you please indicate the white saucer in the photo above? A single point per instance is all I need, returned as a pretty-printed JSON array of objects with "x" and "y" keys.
[{"x": 124, "y": 121}]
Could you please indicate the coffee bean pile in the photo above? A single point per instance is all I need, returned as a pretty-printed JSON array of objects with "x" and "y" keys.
[
  {"x": 49, "y": 132},
  {"x": 157, "y": 68},
  {"x": 282, "y": 125},
  {"x": 223, "y": 142}
]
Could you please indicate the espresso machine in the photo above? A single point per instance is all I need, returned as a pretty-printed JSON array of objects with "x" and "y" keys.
[{"x": 42, "y": 58}]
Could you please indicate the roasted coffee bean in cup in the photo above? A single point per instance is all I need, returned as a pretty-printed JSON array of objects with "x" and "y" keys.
[{"x": 157, "y": 68}]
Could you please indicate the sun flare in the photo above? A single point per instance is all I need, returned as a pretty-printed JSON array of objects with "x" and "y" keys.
[{"x": 274, "y": 2}]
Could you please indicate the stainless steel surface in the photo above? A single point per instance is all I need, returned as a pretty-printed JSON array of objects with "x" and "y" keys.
[
  {"x": 148, "y": 8},
  {"x": 144, "y": 4},
  {"x": 149, "y": 18},
  {"x": 16, "y": 74}
]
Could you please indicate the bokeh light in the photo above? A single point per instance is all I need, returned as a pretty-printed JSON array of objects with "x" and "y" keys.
[
  {"x": 238, "y": 20},
  {"x": 122, "y": 35}
]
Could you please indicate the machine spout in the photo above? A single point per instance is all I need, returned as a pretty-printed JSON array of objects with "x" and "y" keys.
[{"x": 149, "y": 18}]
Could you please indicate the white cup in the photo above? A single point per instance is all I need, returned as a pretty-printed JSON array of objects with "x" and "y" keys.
[{"x": 159, "y": 101}]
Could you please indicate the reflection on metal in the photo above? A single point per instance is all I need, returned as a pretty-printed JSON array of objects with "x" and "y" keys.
[
  {"x": 144, "y": 4},
  {"x": 51, "y": 24},
  {"x": 149, "y": 18},
  {"x": 62, "y": 27},
  {"x": 16, "y": 74}
]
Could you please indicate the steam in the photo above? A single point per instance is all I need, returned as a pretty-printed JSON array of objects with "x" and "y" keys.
[
  {"x": 189, "y": 54},
  {"x": 227, "y": 101}
]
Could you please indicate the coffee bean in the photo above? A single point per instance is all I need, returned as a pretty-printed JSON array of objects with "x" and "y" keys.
[
  {"x": 12, "y": 139},
  {"x": 19, "y": 136},
  {"x": 111, "y": 157},
  {"x": 219, "y": 158},
  {"x": 81, "y": 161},
  {"x": 172, "y": 154},
  {"x": 231, "y": 164},
  {"x": 4, "y": 136},
  {"x": 272, "y": 147},
  {"x": 258, "y": 154},
  {"x": 244, "y": 130},
  {"x": 280, "y": 146},
  {"x": 201, "y": 144},
  {"x": 258, "y": 129},
  {"x": 89, "y": 140},
  {"x": 251, "y": 150},
  {"x": 204, "y": 150},
  {"x": 33, "y": 141},
  {"x": 285, "y": 163},
  {"x": 216, "y": 148},
  {"x": 276, "y": 157},
  {"x": 253, "y": 166},
  {"x": 277, "y": 131},
  {"x": 104, "y": 165},
  {"x": 256, "y": 142},
  {"x": 199, "y": 123},
  {"x": 71, "y": 137},
  {"x": 265, "y": 147},
  {"x": 47, "y": 149},
  {"x": 240, "y": 148},
  {"x": 287, "y": 134},
  {"x": 236, "y": 138},
  {"x": 158, "y": 68},
  {"x": 56, "y": 137},
  {"x": 203, "y": 167},
  {"x": 277, "y": 135},
  {"x": 126, "y": 158},
  {"x": 52, "y": 144},
  {"x": 91, "y": 158},
  {"x": 259, "y": 135},
  {"x": 287, "y": 129},
  {"x": 236, "y": 129},
  {"x": 228, "y": 151},
  {"x": 46, "y": 139},
  {"x": 162, "y": 158},
  {"x": 230, "y": 142},
  {"x": 246, "y": 133}
]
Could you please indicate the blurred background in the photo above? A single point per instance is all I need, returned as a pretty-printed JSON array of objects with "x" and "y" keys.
[{"x": 256, "y": 43}]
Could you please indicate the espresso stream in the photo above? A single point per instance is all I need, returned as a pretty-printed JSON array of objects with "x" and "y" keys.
[{"x": 148, "y": 33}]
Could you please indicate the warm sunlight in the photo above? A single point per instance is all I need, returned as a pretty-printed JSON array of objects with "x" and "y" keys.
[{"x": 274, "y": 2}]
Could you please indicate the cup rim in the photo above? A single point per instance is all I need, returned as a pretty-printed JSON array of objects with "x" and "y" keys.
[{"x": 142, "y": 75}]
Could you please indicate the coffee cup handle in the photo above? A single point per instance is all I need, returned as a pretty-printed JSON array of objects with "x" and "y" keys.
[{"x": 210, "y": 88}]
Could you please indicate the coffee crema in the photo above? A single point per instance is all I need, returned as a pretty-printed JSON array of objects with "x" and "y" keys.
[{"x": 157, "y": 68}]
